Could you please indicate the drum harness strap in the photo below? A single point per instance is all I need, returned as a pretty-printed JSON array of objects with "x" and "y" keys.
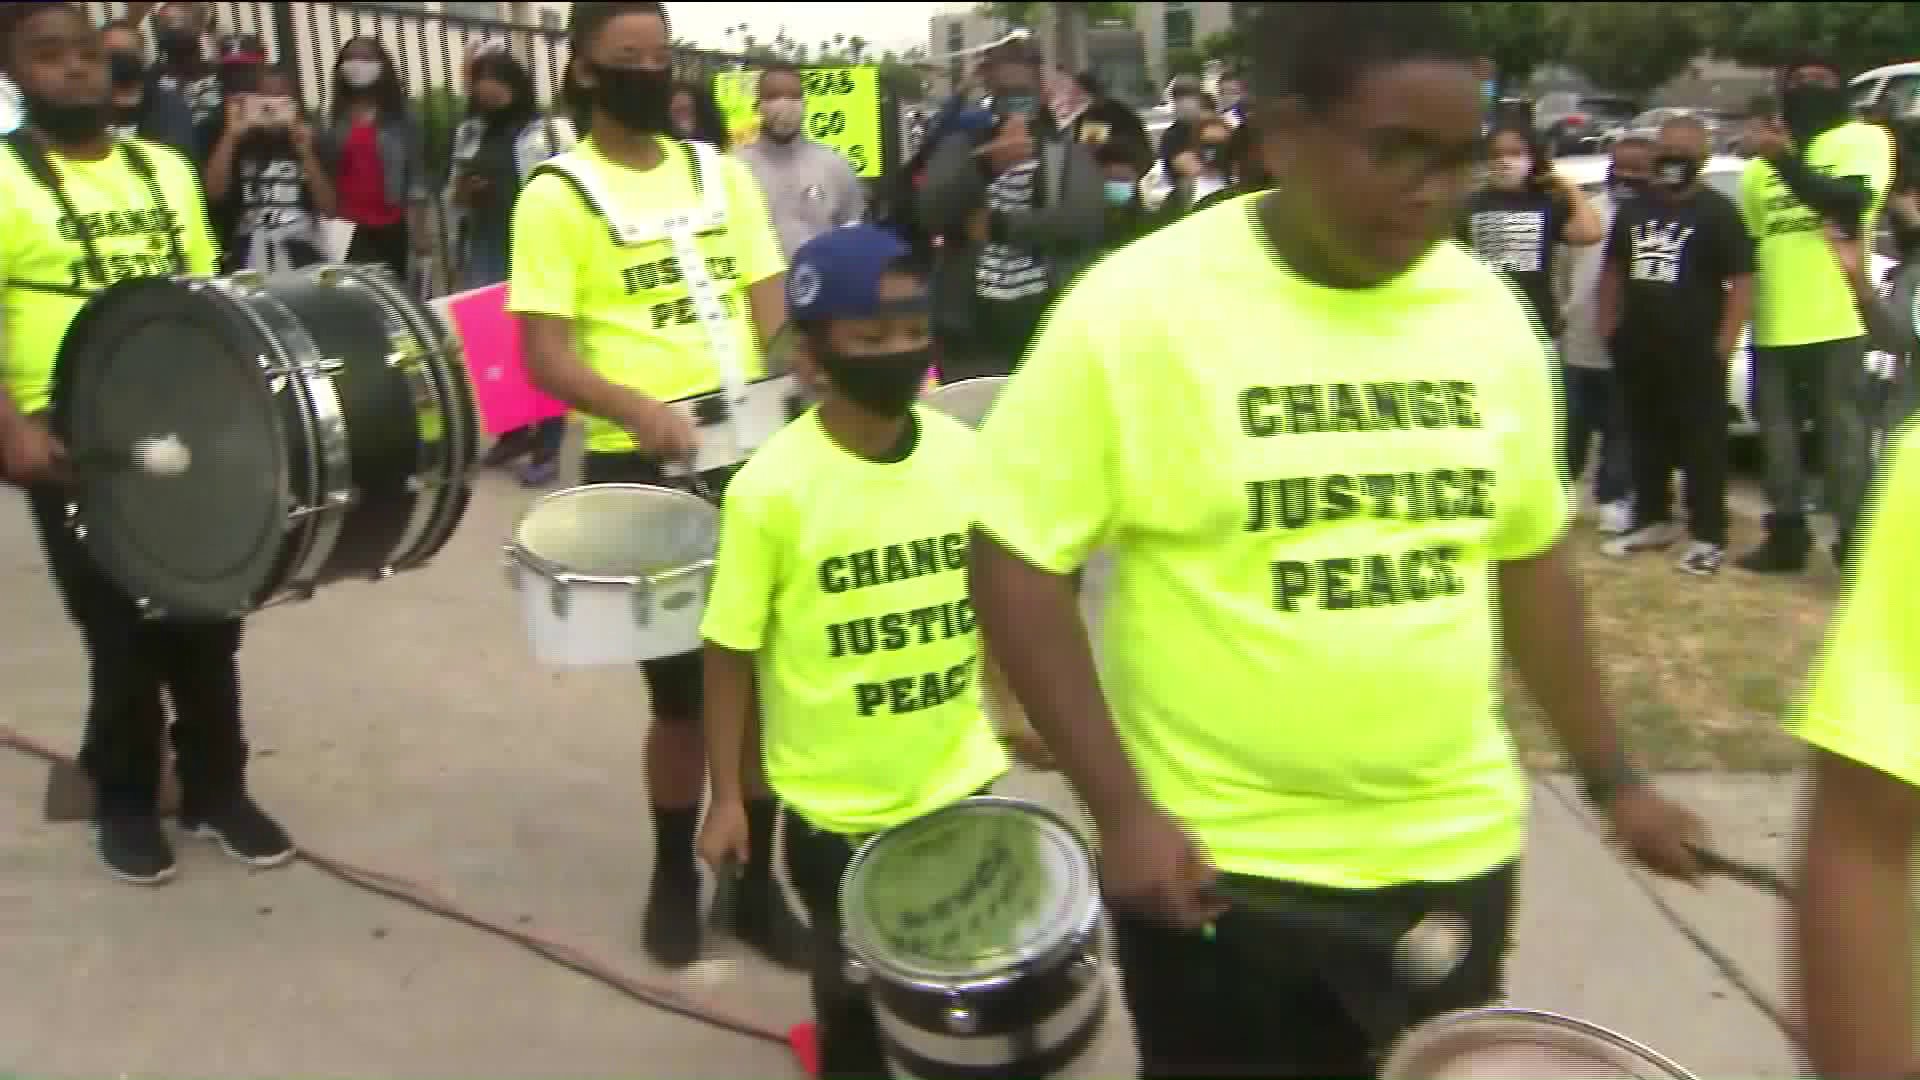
[
  {"x": 33, "y": 157},
  {"x": 682, "y": 229}
]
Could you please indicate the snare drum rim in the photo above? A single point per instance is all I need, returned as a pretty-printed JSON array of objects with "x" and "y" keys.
[
  {"x": 1397, "y": 1060},
  {"x": 1085, "y": 922},
  {"x": 547, "y": 568},
  {"x": 954, "y": 390}
]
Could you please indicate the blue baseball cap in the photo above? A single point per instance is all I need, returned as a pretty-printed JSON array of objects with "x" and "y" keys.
[{"x": 836, "y": 275}]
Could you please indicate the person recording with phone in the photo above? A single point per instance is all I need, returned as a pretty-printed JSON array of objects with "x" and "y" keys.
[
  {"x": 267, "y": 180},
  {"x": 1020, "y": 209}
]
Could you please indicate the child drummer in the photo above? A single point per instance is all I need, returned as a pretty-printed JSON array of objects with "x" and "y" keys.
[{"x": 841, "y": 584}]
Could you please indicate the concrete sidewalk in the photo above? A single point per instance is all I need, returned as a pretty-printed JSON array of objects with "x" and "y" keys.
[{"x": 403, "y": 726}]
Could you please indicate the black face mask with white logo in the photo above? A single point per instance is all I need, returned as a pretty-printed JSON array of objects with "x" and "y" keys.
[{"x": 1676, "y": 171}]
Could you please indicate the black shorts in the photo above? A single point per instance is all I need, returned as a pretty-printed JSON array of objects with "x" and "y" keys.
[
  {"x": 673, "y": 682},
  {"x": 1260, "y": 1000}
]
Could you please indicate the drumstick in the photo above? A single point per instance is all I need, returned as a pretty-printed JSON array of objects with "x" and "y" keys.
[
  {"x": 1424, "y": 952},
  {"x": 1749, "y": 874},
  {"x": 166, "y": 456}
]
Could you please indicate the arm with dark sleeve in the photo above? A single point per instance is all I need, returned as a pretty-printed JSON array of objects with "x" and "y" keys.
[
  {"x": 1071, "y": 222},
  {"x": 1842, "y": 199},
  {"x": 1611, "y": 299},
  {"x": 955, "y": 186}
]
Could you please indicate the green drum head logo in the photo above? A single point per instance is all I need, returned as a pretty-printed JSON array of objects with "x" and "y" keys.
[{"x": 962, "y": 895}]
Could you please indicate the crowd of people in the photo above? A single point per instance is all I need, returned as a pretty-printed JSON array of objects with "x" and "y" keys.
[{"x": 1321, "y": 442}]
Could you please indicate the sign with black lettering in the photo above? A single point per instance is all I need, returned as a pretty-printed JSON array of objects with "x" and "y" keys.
[{"x": 843, "y": 111}]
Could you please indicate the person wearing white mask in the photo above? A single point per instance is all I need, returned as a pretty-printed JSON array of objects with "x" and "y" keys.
[
  {"x": 1525, "y": 213},
  {"x": 810, "y": 187},
  {"x": 376, "y": 157}
]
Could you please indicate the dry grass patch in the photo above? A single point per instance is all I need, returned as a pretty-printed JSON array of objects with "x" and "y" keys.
[{"x": 1701, "y": 668}]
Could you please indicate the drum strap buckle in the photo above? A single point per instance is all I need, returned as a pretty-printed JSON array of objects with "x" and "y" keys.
[{"x": 642, "y": 602}]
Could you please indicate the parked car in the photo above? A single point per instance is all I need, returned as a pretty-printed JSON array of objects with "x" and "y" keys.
[
  {"x": 1722, "y": 173},
  {"x": 1573, "y": 123},
  {"x": 1895, "y": 84}
]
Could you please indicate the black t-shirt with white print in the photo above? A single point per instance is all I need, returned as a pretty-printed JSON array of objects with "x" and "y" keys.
[
  {"x": 271, "y": 209},
  {"x": 1516, "y": 232},
  {"x": 1677, "y": 257}
]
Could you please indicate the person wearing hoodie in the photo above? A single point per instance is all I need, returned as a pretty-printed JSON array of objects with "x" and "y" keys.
[
  {"x": 810, "y": 187},
  {"x": 1822, "y": 180},
  {"x": 1019, "y": 210}
]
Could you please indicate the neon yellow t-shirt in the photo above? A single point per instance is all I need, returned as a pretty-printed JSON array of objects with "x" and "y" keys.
[
  {"x": 44, "y": 267},
  {"x": 1863, "y": 700},
  {"x": 1801, "y": 295},
  {"x": 1306, "y": 501},
  {"x": 848, "y": 579},
  {"x": 634, "y": 322}
]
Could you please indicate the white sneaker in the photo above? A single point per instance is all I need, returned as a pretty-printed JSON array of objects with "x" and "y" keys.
[
  {"x": 1651, "y": 538},
  {"x": 1616, "y": 519},
  {"x": 1702, "y": 559}
]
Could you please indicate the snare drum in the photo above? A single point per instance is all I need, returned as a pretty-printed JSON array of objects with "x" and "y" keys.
[
  {"x": 1521, "y": 1044},
  {"x": 329, "y": 417},
  {"x": 764, "y": 408},
  {"x": 613, "y": 573},
  {"x": 969, "y": 400},
  {"x": 976, "y": 930}
]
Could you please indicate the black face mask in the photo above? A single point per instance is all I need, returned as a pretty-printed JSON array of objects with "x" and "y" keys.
[
  {"x": 180, "y": 46},
  {"x": 1676, "y": 171},
  {"x": 67, "y": 124},
  {"x": 1812, "y": 110},
  {"x": 882, "y": 385},
  {"x": 239, "y": 78},
  {"x": 1623, "y": 188},
  {"x": 126, "y": 68},
  {"x": 641, "y": 99}
]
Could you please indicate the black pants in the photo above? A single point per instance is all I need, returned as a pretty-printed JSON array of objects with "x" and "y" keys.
[
  {"x": 130, "y": 658},
  {"x": 849, "y": 1037},
  {"x": 382, "y": 245},
  {"x": 998, "y": 340},
  {"x": 1594, "y": 408},
  {"x": 1677, "y": 419},
  {"x": 1263, "y": 1000},
  {"x": 673, "y": 682}
]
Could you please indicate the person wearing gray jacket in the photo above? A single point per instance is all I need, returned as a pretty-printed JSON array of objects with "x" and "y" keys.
[{"x": 1019, "y": 211}]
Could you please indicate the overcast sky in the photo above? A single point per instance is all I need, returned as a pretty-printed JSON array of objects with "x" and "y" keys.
[{"x": 897, "y": 26}]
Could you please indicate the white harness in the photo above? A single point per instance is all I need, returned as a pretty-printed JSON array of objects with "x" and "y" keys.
[{"x": 680, "y": 228}]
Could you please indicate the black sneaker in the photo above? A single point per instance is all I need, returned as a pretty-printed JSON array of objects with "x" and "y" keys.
[
  {"x": 1777, "y": 555},
  {"x": 134, "y": 849},
  {"x": 671, "y": 931},
  {"x": 243, "y": 831}
]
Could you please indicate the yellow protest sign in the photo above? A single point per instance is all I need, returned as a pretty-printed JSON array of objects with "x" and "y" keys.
[{"x": 843, "y": 110}]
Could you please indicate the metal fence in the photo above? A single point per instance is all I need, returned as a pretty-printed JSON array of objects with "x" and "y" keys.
[{"x": 430, "y": 49}]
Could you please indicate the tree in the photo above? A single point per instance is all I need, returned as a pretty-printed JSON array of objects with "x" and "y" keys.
[
  {"x": 1231, "y": 47},
  {"x": 1517, "y": 37},
  {"x": 1634, "y": 48},
  {"x": 1854, "y": 35},
  {"x": 901, "y": 76},
  {"x": 1185, "y": 62}
]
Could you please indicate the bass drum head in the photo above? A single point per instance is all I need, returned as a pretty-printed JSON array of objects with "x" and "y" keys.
[
  {"x": 971, "y": 892},
  {"x": 968, "y": 401},
  {"x": 1521, "y": 1044},
  {"x": 153, "y": 358},
  {"x": 617, "y": 531}
]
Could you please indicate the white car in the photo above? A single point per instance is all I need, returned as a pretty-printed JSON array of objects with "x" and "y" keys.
[{"x": 1722, "y": 173}]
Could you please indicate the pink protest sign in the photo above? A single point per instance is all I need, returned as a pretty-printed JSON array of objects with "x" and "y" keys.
[{"x": 491, "y": 340}]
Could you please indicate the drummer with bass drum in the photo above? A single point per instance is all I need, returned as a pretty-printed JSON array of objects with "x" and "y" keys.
[
  {"x": 79, "y": 211},
  {"x": 646, "y": 271}
]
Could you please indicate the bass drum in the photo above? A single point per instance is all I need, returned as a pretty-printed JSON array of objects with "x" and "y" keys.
[
  {"x": 1521, "y": 1044},
  {"x": 328, "y": 415}
]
